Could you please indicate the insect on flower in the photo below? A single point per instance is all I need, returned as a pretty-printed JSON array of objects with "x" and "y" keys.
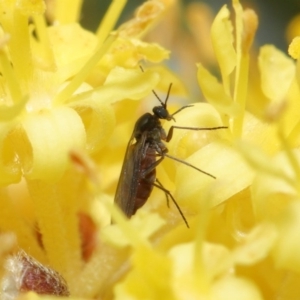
[{"x": 145, "y": 151}]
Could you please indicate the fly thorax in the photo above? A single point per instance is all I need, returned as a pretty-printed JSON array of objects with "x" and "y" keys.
[
  {"x": 146, "y": 124},
  {"x": 163, "y": 135},
  {"x": 154, "y": 136}
]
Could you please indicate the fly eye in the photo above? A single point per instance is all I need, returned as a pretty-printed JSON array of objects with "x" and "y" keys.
[{"x": 160, "y": 112}]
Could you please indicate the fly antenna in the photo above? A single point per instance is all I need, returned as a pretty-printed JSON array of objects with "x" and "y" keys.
[
  {"x": 164, "y": 105},
  {"x": 168, "y": 94},
  {"x": 180, "y": 109}
]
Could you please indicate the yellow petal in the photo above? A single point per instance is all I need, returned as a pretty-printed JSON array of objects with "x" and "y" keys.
[
  {"x": 145, "y": 222},
  {"x": 122, "y": 84},
  {"x": 294, "y": 47},
  {"x": 152, "y": 52},
  {"x": 66, "y": 11},
  {"x": 186, "y": 142},
  {"x": 145, "y": 279},
  {"x": 216, "y": 260},
  {"x": 262, "y": 134},
  {"x": 215, "y": 94},
  {"x": 275, "y": 67},
  {"x": 10, "y": 221},
  {"x": 291, "y": 117},
  {"x": 188, "y": 284},
  {"x": 286, "y": 252},
  {"x": 99, "y": 122},
  {"x": 30, "y": 7},
  {"x": 167, "y": 77},
  {"x": 258, "y": 160},
  {"x": 10, "y": 112},
  {"x": 72, "y": 47},
  {"x": 222, "y": 39},
  {"x": 222, "y": 161},
  {"x": 47, "y": 140},
  {"x": 275, "y": 185},
  {"x": 10, "y": 170},
  {"x": 144, "y": 17},
  {"x": 128, "y": 53},
  {"x": 235, "y": 289},
  {"x": 256, "y": 245}
]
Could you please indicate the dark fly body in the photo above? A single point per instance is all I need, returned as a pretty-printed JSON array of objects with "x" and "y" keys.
[{"x": 145, "y": 151}]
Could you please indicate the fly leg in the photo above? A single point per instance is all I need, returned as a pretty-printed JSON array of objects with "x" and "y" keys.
[
  {"x": 161, "y": 153},
  {"x": 170, "y": 132},
  {"x": 152, "y": 167},
  {"x": 161, "y": 187},
  {"x": 168, "y": 194},
  {"x": 169, "y": 137}
]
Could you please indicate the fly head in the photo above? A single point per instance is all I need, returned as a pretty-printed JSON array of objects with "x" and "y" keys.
[{"x": 161, "y": 112}]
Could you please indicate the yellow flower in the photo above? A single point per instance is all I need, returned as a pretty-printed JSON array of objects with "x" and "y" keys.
[{"x": 69, "y": 102}]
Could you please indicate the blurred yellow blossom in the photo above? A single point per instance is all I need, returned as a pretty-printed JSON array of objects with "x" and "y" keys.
[{"x": 69, "y": 102}]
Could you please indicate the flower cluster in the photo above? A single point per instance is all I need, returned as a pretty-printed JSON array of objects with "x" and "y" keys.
[{"x": 69, "y": 101}]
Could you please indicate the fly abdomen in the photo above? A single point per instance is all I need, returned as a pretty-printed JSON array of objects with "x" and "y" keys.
[{"x": 146, "y": 179}]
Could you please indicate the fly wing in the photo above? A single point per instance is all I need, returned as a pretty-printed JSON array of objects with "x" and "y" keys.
[{"x": 127, "y": 186}]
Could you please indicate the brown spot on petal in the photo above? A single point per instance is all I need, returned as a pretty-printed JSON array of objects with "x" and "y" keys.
[
  {"x": 88, "y": 231},
  {"x": 84, "y": 165}
]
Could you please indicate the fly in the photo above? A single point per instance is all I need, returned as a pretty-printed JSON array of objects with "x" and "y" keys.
[{"x": 138, "y": 175}]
